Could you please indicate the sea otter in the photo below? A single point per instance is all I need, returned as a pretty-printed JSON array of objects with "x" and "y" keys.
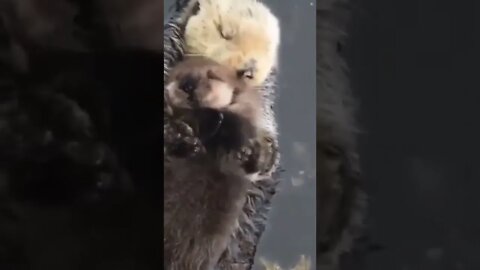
[
  {"x": 223, "y": 111},
  {"x": 251, "y": 221}
]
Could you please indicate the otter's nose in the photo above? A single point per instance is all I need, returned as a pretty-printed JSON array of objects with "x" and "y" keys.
[{"x": 188, "y": 85}]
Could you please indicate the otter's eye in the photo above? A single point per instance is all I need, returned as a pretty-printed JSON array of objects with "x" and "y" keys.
[
  {"x": 246, "y": 73},
  {"x": 188, "y": 85},
  {"x": 224, "y": 34}
]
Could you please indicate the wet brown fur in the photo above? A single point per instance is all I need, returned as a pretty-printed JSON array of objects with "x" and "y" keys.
[{"x": 202, "y": 201}]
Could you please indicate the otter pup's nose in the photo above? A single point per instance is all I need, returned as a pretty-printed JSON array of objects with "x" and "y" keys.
[{"x": 188, "y": 84}]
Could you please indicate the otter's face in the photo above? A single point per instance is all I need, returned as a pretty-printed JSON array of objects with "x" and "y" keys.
[
  {"x": 201, "y": 83},
  {"x": 190, "y": 91}
]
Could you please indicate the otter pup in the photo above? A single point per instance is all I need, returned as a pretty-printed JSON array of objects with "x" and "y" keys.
[
  {"x": 221, "y": 108},
  {"x": 215, "y": 190},
  {"x": 178, "y": 44}
]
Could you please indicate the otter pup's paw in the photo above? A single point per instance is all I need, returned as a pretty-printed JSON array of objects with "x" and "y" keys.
[
  {"x": 245, "y": 154},
  {"x": 268, "y": 154},
  {"x": 182, "y": 128},
  {"x": 260, "y": 156},
  {"x": 249, "y": 156},
  {"x": 179, "y": 139}
]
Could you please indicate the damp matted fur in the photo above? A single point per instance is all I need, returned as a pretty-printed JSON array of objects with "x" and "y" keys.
[
  {"x": 341, "y": 201},
  {"x": 241, "y": 251}
]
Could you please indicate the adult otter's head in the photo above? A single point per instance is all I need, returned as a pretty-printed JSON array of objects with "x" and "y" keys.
[
  {"x": 199, "y": 82},
  {"x": 244, "y": 35}
]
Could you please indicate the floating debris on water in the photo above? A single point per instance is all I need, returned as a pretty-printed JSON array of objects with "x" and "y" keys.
[{"x": 303, "y": 264}]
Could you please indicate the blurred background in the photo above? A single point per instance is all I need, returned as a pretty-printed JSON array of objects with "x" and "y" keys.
[
  {"x": 291, "y": 228},
  {"x": 414, "y": 68}
]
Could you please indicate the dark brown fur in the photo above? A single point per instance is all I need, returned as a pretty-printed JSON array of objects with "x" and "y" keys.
[
  {"x": 203, "y": 200},
  {"x": 204, "y": 194},
  {"x": 242, "y": 247}
]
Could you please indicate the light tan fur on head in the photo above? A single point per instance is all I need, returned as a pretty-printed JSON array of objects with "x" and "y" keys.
[
  {"x": 199, "y": 82},
  {"x": 242, "y": 34}
]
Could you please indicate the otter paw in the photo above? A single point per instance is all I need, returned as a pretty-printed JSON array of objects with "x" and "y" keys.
[
  {"x": 267, "y": 155},
  {"x": 175, "y": 130},
  {"x": 245, "y": 154},
  {"x": 185, "y": 146},
  {"x": 179, "y": 140},
  {"x": 260, "y": 156},
  {"x": 183, "y": 128},
  {"x": 192, "y": 145},
  {"x": 248, "y": 156}
]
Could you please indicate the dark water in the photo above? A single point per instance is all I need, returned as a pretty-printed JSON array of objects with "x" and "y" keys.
[
  {"x": 291, "y": 228},
  {"x": 415, "y": 69}
]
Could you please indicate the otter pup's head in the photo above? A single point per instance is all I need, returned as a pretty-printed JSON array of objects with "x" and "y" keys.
[
  {"x": 213, "y": 99},
  {"x": 199, "y": 82}
]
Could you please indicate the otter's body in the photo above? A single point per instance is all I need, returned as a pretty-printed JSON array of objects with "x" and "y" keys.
[
  {"x": 204, "y": 193},
  {"x": 215, "y": 190},
  {"x": 241, "y": 247}
]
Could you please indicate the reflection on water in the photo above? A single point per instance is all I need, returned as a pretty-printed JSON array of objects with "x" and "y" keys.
[{"x": 291, "y": 229}]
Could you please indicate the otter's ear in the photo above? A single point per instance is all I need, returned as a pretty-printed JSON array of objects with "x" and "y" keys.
[{"x": 212, "y": 76}]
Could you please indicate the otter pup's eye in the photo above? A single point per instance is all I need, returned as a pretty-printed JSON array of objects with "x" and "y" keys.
[
  {"x": 236, "y": 91},
  {"x": 188, "y": 84}
]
